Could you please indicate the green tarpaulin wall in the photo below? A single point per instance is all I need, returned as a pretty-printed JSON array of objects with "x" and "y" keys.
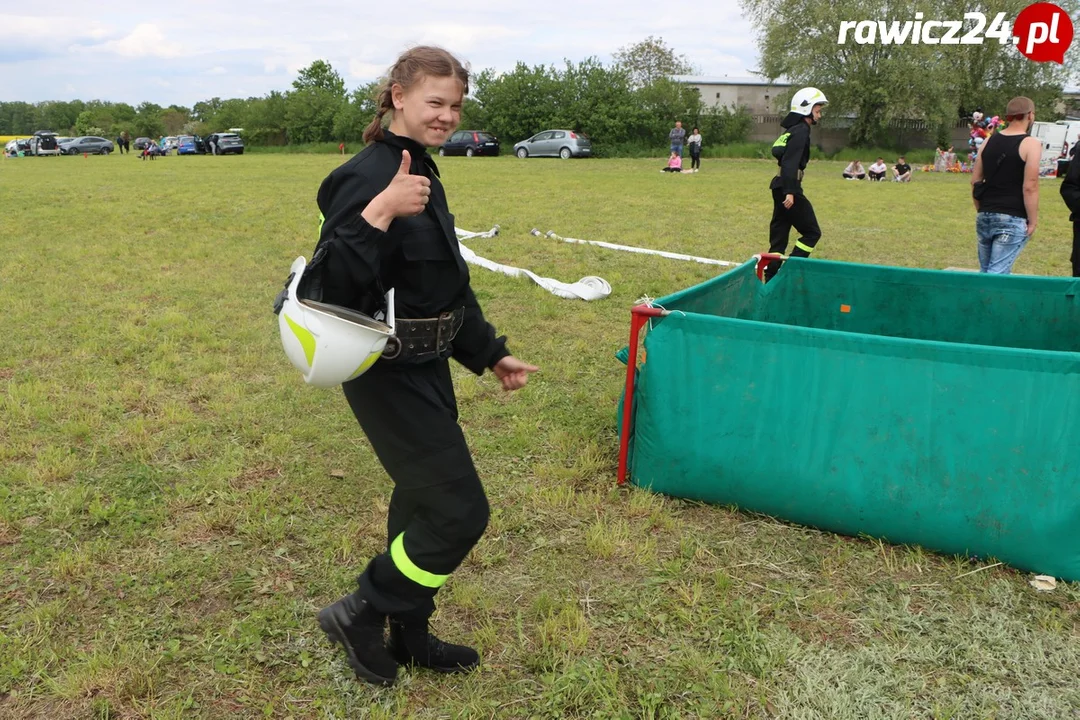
[{"x": 919, "y": 406}]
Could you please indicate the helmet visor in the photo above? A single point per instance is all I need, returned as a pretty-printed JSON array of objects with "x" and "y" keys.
[{"x": 348, "y": 315}]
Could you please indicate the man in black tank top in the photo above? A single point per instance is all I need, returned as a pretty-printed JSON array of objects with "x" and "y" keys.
[{"x": 1005, "y": 189}]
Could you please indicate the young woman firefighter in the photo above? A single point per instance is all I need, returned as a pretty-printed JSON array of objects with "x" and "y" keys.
[
  {"x": 792, "y": 152},
  {"x": 387, "y": 227}
]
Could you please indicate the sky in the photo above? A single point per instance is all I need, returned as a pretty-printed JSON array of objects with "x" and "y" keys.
[{"x": 180, "y": 53}]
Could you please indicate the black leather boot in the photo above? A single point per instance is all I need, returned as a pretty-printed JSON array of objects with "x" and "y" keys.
[
  {"x": 412, "y": 644},
  {"x": 360, "y": 629}
]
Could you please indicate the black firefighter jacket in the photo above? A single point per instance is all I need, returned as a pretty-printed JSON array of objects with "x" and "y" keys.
[
  {"x": 417, "y": 256},
  {"x": 792, "y": 153}
]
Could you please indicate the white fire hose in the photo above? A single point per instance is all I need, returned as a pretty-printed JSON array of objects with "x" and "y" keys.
[
  {"x": 628, "y": 248},
  {"x": 587, "y": 288}
]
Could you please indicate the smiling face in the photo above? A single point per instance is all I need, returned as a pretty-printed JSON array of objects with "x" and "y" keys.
[{"x": 428, "y": 111}]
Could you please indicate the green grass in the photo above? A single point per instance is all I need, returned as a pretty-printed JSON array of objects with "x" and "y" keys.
[{"x": 175, "y": 505}]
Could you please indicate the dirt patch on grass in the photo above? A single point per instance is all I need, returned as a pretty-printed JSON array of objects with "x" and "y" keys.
[
  {"x": 256, "y": 476},
  {"x": 9, "y": 535}
]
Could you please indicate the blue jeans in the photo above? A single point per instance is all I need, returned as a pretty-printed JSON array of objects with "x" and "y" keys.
[
  {"x": 676, "y": 148},
  {"x": 1001, "y": 238}
]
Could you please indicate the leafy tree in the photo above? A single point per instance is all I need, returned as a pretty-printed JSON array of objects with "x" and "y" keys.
[
  {"x": 311, "y": 108},
  {"x": 309, "y": 115},
  {"x": 148, "y": 121},
  {"x": 60, "y": 116},
  {"x": 355, "y": 114},
  {"x": 231, "y": 113},
  {"x": 265, "y": 123},
  {"x": 520, "y": 103},
  {"x": 599, "y": 101},
  {"x": 650, "y": 60},
  {"x": 123, "y": 113},
  {"x": 320, "y": 75},
  {"x": 84, "y": 122},
  {"x": 877, "y": 83},
  {"x": 173, "y": 120},
  {"x": 204, "y": 110}
]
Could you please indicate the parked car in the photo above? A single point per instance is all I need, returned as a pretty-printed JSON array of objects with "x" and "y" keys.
[
  {"x": 227, "y": 143},
  {"x": 555, "y": 143},
  {"x": 44, "y": 143},
  {"x": 90, "y": 144},
  {"x": 169, "y": 142},
  {"x": 469, "y": 143},
  {"x": 142, "y": 143},
  {"x": 190, "y": 145}
]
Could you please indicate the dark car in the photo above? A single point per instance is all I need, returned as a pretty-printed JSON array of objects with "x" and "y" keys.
[
  {"x": 469, "y": 143},
  {"x": 142, "y": 143},
  {"x": 225, "y": 144},
  {"x": 90, "y": 144}
]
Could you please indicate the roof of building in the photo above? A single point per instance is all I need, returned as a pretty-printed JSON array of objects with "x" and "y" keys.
[{"x": 730, "y": 80}]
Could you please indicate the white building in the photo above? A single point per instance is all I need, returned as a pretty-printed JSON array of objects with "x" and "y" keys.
[{"x": 755, "y": 93}]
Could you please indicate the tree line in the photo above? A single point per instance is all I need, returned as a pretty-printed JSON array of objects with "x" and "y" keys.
[
  {"x": 629, "y": 103},
  {"x": 872, "y": 84}
]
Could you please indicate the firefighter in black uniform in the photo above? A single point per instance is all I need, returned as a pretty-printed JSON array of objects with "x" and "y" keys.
[
  {"x": 387, "y": 225},
  {"x": 1070, "y": 193},
  {"x": 790, "y": 207}
]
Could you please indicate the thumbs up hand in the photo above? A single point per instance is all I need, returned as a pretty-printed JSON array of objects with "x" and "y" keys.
[{"x": 405, "y": 196}]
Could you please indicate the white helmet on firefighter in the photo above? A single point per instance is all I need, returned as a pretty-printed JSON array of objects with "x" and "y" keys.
[
  {"x": 803, "y": 102},
  {"x": 330, "y": 344}
]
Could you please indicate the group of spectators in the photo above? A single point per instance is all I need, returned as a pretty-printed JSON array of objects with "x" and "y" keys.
[
  {"x": 878, "y": 170},
  {"x": 678, "y": 139}
]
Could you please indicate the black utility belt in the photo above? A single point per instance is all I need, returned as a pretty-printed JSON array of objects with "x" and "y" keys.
[
  {"x": 799, "y": 176},
  {"x": 423, "y": 339}
]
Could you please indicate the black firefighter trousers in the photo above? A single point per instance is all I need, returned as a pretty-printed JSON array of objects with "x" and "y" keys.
[
  {"x": 438, "y": 509},
  {"x": 799, "y": 216},
  {"x": 1075, "y": 258}
]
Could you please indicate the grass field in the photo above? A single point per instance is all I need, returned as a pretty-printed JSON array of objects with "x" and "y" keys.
[{"x": 175, "y": 505}]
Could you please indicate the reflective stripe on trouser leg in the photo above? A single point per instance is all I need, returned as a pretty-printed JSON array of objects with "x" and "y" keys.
[
  {"x": 804, "y": 220},
  {"x": 409, "y": 569}
]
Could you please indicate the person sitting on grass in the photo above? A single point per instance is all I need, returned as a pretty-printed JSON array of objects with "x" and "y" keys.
[
  {"x": 878, "y": 170},
  {"x": 854, "y": 171},
  {"x": 901, "y": 171},
  {"x": 674, "y": 163}
]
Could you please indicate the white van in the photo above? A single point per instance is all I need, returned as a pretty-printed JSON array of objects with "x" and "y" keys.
[{"x": 1053, "y": 137}]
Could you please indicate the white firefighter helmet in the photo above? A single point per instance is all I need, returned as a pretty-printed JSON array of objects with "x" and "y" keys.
[
  {"x": 330, "y": 344},
  {"x": 803, "y": 102}
]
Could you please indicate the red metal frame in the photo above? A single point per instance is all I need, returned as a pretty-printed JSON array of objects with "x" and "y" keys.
[
  {"x": 639, "y": 315},
  {"x": 764, "y": 259}
]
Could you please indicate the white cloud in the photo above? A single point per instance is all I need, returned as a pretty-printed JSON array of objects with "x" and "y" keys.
[
  {"x": 465, "y": 38},
  {"x": 252, "y": 48},
  {"x": 361, "y": 69},
  {"x": 146, "y": 40},
  {"x": 290, "y": 58},
  {"x": 58, "y": 30}
]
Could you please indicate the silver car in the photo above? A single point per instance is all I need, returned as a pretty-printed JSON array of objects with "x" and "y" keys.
[
  {"x": 555, "y": 143},
  {"x": 90, "y": 144}
]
